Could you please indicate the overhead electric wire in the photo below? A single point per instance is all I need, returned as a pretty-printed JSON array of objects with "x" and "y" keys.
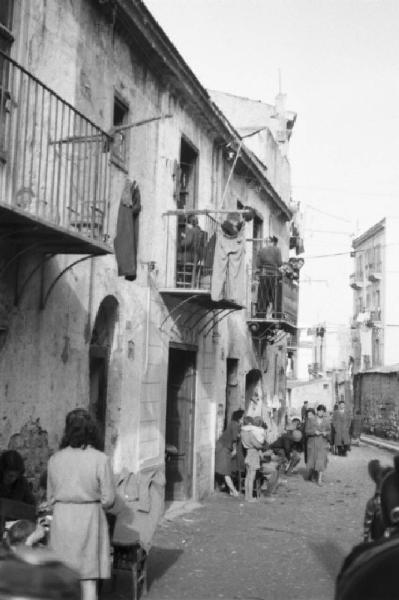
[
  {"x": 347, "y": 191},
  {"x": 323, "y": 212},
  {"x": 348, "y": 252}
]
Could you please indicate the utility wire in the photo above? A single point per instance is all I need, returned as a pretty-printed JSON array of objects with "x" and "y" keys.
[
  {"x": 352, "y": 252},
  {"x": 347, "y": 191},
  {"x": 323, "y": 212}
]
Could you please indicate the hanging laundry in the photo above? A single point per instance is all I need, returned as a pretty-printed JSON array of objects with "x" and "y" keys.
[
  {"x": 127, "y": 231},
  {"x": 228, "y": 274}
]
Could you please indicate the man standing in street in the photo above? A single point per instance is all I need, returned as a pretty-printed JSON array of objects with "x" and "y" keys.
[
  {"x": 341, "y": 421},
  {"x": 303, "y": 411}
]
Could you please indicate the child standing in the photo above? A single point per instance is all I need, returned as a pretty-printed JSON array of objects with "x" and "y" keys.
[{"x": 253, "y": 439}]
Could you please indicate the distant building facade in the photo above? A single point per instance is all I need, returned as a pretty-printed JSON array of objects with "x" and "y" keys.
[{"x": 375, "y": 284}]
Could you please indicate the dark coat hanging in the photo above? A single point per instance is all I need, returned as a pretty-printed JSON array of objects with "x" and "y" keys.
[{"x": 127, "y": 231}]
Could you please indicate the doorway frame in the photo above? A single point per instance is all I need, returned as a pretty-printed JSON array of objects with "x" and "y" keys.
[{"x": 193, "y": 349}]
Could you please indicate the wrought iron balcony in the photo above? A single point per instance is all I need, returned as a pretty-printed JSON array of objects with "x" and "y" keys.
[
  {"x": 273, "y": 302},
  {"x": 375, "y": 273},
  {"x": 189, "y": 256},
  {"x": 356, "y": 281},
  {"x": 190, "y": 249},
  {"x": 54, "y": 169},
  {"x": 375, "y": 315},
  {"x": 292, "y": 342}
]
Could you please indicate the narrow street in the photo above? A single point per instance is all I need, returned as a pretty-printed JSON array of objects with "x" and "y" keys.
[{"x": 290, "y": 549}]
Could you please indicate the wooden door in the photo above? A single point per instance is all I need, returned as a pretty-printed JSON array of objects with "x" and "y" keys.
[
  {"x": 232, "y": 391},
  {"x": 98, "y": 387},
  {"x": 180, "y": 424}
]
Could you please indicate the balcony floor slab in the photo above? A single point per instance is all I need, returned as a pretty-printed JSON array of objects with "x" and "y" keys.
[{"x": 24, "y": 229}]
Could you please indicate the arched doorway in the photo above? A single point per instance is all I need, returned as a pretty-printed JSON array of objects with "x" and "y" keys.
[
  {"x": 99, "y": 355},
  {"x": 253, "y": 393}
]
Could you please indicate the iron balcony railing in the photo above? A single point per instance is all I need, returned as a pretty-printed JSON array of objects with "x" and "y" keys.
[
  {"x": 292, "y": 342},
  {"x": 274, "y": 296},
  {"x": 54, "y": 162},
  {"x": 190, "y": 248},
  {"x": 375, "y": 315}
]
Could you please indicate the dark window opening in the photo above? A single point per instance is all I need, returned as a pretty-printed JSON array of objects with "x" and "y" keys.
[
  {"x": 189, "y": 247},
  {"x": 257, "y": 235},
  {"x": 188, "y": 176},
  {"x": 6, "y": 12},
  {"x": 120, "y": 142}
]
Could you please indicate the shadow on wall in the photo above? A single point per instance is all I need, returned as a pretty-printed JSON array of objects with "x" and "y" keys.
[{"x": 159, "y": 561}]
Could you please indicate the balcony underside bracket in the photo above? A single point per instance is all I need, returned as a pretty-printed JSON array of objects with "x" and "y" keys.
[
  {"x": 20, "y": 290},
  {"x": 212, "y": 318},
  {"x": 218, "y": 319},
  {"x": 45, "y": 296},
  {"x": 197, "y": 321},
  {"x": 17, "y": 255},
  {"x": 175, "y": 310},
  {"x": 265, "y": 334}
]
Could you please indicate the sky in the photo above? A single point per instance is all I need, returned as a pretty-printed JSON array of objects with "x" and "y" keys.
[{"x": 339, "y": 61}]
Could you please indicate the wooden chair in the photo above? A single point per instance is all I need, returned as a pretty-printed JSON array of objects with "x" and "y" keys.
[{"x": 133, "y": 558}]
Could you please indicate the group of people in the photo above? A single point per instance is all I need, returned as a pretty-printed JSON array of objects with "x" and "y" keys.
[
  {"x": 80, "y": 487},
  {"x": 243, "y": 448}
]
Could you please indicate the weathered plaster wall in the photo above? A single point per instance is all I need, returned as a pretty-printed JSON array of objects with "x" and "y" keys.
[
  {"x": 45, "y": 358},
  {"x": 376, "y": 394}
]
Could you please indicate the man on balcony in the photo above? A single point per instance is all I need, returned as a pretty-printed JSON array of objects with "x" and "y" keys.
[{"x": 268, "y": 263}]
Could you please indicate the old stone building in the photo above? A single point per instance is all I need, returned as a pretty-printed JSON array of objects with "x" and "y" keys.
[{"x": 117, "y": 172}]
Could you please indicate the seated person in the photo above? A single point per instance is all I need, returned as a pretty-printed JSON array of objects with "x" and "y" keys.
[
  {"x": 270, "y": 470},
  {"x": 192, "y": 241},
  {"x": 24, "y": 533},
  {"x": 13, "y": 484},
  {"x": 288, "y": 448}
]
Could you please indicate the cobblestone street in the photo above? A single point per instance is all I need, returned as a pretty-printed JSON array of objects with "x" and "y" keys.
[{"x": 290, "y": 549}]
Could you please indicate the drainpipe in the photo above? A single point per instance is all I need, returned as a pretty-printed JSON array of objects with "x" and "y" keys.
[{"x": 150, "y": 267}]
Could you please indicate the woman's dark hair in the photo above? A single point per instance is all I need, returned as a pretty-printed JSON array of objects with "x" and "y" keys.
[
  {"x": 321, "y": 407},
  {"x": 248, "y": 420},
  {"x": 11, "y": 460},
  {"x": 80, "y": 430},
  {"x": 310, "y": 410},
  {"x": 237, "y": 414}
]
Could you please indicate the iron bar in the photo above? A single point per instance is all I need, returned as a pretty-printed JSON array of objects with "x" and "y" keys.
[
  {"x": 219, "y": 318},
  {"x": 54, "y": 282},
  {"x": 19, "y": 292}
]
